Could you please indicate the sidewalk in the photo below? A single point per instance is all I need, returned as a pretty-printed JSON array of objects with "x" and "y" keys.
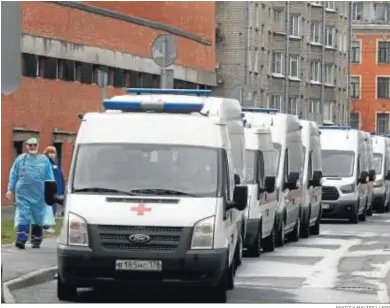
[{"x": 20, "y": 262}]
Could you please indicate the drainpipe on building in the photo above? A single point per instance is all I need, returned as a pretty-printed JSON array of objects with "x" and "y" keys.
[
  {"x": 323, "y": 65},
  {"x": 349, "y": 98},
  {"x": 247, "y": 44},
  {"x": 287, "y": 57}
]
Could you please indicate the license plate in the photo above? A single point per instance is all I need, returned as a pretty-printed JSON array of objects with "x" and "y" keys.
[
  {"x": 325, "y": 206},
  {"x": 138, "y": 265}
]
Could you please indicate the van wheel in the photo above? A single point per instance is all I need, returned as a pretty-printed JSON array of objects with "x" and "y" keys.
[
  {"x": 387, "y": 208},
  {"x": 254, "y": 251},
  {"x": 355, "y": 216},
  {"x": 363, "y": 216},
  {"x": 65, "y": 292},
  {"x": 294, "y": 236},
  {"x": 237, "y": 261},
  {"x": 269, "y": 242},
  {"x": 315, "y": 230},
  {"x": 281, "y": 234},
  {"x": 219, "y": 293},
  {"x": 381, "y": 208},
  {"x": 305, "y": 227}
]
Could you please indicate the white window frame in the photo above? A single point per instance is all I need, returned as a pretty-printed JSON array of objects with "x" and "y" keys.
[
  {"x": 280, "y": 71},
  {"x": 330, "y": 5},
  {"x": 256, "y": 64},
  {"x": 328, "y": 111},
  {"x": 281, "y": 21},
  {"x": 385, "y": 9},
  {"x": 332, "y": 31},
  {"x": 328, "y": 74},
  {"x": 315, "y": 106},
  {"x": 316, "y": 3},
  {"x": 293, "y": 103},
  {"x": 274, "y": 102},
  {"x": 377, "y": 86},
  {"x": 294, "y": 58},
  {"x": 250, "y": 67},
  {"x": 295, "y": 21},
  {"x": 317, "y": 74},
  {"x": 359, "y": 119},
  {"x": 377, "y": 51},
  {"x": 359, "y": 86},
  {"x": 360, "y": 51},
  {"x": 357, "y": 10},
  {"x": 315, "y": 32},
  {"x": 376, "y": 121}
]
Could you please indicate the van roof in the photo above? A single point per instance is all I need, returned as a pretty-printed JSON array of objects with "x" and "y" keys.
[
  {"x": 348, "y": 139},
  {"x": 309, "y": 128},
  {"x": 258, "y": 139}
]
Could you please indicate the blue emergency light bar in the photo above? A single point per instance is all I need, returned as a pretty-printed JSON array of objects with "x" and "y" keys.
[
  {"x": 170, "y": 91},
  {"x": 335, "y": 127},
  {"x": 160, "y": 106},
  {"x": 260, "y": 110}
]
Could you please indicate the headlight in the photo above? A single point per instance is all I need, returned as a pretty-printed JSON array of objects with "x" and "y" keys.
[
  {"x": 347, "y": 189},
  {"x": 77, "y": 231},
  {"x": 203, "y": 236},
  {"x": 377, "y": 184}
]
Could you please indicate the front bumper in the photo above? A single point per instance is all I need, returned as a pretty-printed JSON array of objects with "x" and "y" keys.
[{"x": 341, "y": 209}]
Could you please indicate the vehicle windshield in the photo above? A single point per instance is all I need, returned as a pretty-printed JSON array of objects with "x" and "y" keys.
[
  {"x": 377, "y": 163},
  {"x": 141, "y": 169},
  {"x": 250, "y": 166},
  {"x": 337, "y": 163}
]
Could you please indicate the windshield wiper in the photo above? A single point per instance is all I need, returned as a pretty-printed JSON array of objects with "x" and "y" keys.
[
  {"x": 161, "y": 192},
  {"x": 103, "y": 190}
]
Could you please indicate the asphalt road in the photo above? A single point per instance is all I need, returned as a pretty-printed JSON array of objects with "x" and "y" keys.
[{"x": 345, "y": 264}]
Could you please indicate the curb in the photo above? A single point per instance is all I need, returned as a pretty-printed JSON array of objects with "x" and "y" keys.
[{"x": 37, "y": 277}]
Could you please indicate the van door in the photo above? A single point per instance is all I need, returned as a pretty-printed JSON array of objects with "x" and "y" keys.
[
  {"x": 264, "y": 209},
  {"x": 290, "y": 221}
]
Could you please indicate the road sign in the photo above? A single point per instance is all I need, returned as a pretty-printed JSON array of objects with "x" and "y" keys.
[
  {"x": 166, "y": 79},
  {"x": 11, "y": 68},
  {"x": 164, "y": 50},
  {"x": 244, "y": 94}
]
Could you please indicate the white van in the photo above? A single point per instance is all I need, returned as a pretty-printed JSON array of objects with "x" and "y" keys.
[
  {"x": 311, "y": 179},
  {"x": 345, "y": 176},
  {"x": 152, "y": 196},
  {"x": 286, "y": 137},
  {"x": 260, "y": 179},
  {"x": 371, "y": 172},
  {"x": 381, "y": 159}
]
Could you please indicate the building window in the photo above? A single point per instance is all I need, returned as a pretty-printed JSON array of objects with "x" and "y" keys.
[
  {"x": 50, "y": 68},
  {"x": 315, "y": 36},
  {"x": 384, "y": 52},
  {"x": 30, "y": 65},
  {"x": 119, "y": 78},
  {"x": 315, "y": 106},
  {"x": 294, "y": 25},
  {"x": 277, "y": 63},
  {"x": 355, "y": 87},
  {"x": 134, "y": 80},
  {"x": 68, "y": 69},
  {"x": 328, "y": 111},
  {"x": 328, "y": 76},
  {"x": 276, "y": 102},
  {"x": 382, "y": 123},
  {"x": 330, "y": 5},
  {"x": 294, "y": 66},
  {"x": 84, "y": 72},
  {"x": 330, "y": 35},
  {"x": 355, "y": 52},
  {"x": 354, "y": 120},
  {"x": 317, "y": 2},
  {"x": 292, "y": 105},
  {"x": 146, "y": 81},
  {"x": 383, "y": 87},
  {"x": 278, "y": 16},
  {"x": 381, "y": 11},
  {"x": 315, "y": 71},
  {"x": 357, "y": 11},
  {"x": 58, "y": 146}
]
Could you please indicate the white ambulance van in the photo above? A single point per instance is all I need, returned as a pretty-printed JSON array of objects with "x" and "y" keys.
[
  {"x": 381, "y": 159},
  {"x": 286, "y": 137},
  {"x": 153, "y": 196},
  {"x": 260, "y": 179},
  {"x": 311, "y": 179},
  {"x": 345, "y": 176},
  {"x": 371, "y": 172}
]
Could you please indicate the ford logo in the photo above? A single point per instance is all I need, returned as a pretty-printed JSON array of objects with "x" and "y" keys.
[{"x": 139, "y": 238}]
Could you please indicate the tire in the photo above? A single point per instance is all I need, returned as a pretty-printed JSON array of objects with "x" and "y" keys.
[
  {"x": 363, "y": 216},
  {"x": 65, "y": 292},
  {"x": 381, "y": 208},
  {"x": 354, "y": 219},
  {"x": 254, "y": 251},
  {"x": 269, "y": 243},
  {"x": 238, "y": 253},
  {"x": 281, "y": 237},
  {"x": 387, "y": 208},
  {"x": 315, "y": 230},
  {"x": 219, "y": 293},
  {"x": 305, "y": 227},
  {"x": 295, "y": 234}
]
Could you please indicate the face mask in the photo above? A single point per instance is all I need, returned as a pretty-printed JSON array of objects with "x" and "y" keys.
[{"x": 52, "y": 156}]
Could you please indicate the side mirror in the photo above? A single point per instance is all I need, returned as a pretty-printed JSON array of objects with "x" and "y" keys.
[
  {"x": 372, "y": 175},
  {"x": 240, "y": 198},
  {"x": 316, "y": 180},
  {"x": 237, "y": 180},
  {"x": 387, "y": 175},
  {"x": 51, "y": 196},
  {"x": 269, "y": 184},
  {"x": 292, "y": 181},
  {"x": 363, "y": 177}
]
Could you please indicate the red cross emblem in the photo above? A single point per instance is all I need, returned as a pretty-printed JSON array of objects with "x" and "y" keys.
[{"x": 141, "y": 209}]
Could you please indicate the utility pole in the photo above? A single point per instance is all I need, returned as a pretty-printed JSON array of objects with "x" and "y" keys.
[
  {"x": 322, "y": 95},
  {"x": 287, "y": 57}
]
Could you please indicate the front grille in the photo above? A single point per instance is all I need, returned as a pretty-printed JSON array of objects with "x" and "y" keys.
[
  {"x": 161, "y": 238},
  {"x": 329, "y": 193}
]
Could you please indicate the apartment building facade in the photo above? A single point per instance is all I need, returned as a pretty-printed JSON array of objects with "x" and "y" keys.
[
  {"x": 304, "y": 72},
  {"x": 370, "y": 66}
]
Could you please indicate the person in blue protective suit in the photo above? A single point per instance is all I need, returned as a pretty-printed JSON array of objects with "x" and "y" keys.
[{"x": 26, "y": 182}]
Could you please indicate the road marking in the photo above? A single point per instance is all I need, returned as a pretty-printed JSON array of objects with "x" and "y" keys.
[
  {"x": 291, "y": 251},
  {"x": 364, "y": 253}
]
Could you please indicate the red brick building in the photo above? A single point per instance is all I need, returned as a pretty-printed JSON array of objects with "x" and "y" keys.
[{"x": 65, "y": 43}]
